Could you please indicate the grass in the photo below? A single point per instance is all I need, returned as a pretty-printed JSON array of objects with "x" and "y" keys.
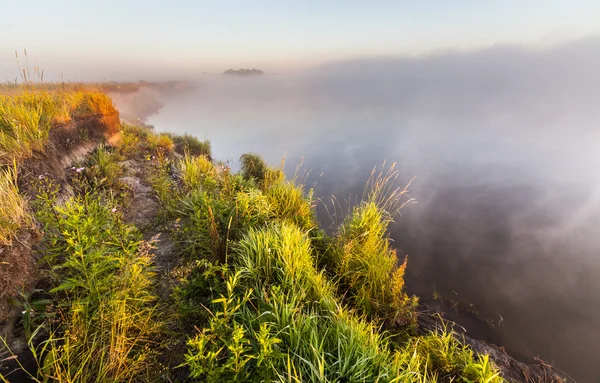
[
  {"x": 14, "y": 213},
  {"x": 262, "y": 309},
  {"x": 253, "y": 166},
  {"x": 260, "y": 293},
  {"x": 192, "y": 145},
  {"x": 370, "y": 276},
  {"x": 102, "y": 168},
  {"x": 368, "y": 270},
  {"x": 27, "y": 116},
  {"x": 196, "y": 172},
  {"x": 104, "y": 319}
]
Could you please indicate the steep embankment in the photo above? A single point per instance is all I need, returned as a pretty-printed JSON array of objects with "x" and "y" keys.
[
  {"x": 156, "y": 263},
  {"x": 40, "y": 134}
]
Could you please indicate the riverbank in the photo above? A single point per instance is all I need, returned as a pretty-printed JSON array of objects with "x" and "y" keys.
[{"x": 151, "y": 261}]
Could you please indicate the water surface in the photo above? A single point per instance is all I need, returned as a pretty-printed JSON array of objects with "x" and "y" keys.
[{"x": 505, "y": 147}]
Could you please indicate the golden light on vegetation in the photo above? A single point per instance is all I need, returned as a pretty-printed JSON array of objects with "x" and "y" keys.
[
  {"x": 28, "y": 114},
  {"x": 14, "y": 213},
  {"x": 259, "y": 292}
]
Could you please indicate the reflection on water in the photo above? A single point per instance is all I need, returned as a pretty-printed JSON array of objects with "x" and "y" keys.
[{"x": 506, "y": 158}]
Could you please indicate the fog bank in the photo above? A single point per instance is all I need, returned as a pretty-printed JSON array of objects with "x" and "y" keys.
[{"x": 505, "y": 145}]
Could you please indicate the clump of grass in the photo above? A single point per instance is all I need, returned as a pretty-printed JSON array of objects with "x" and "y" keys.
[
  {"x": 252, "y": 209},
  {"x": 86, "y": 104},
  {"x": 282, "y": 256},
  {"x": 161, "y": 144},
  {"x": 364, "y": 262},
  {"x": 446, "y": 356},
  {"x": 192, "y": 145},
  {"x": 131, "y": 138},
  {"x": 102, "y": 167},
  {"x": 194, "y": 171},
  {"x": 203, "y": 234},
  {"x": 289, "y": 202},
  {"x": 253, "y": 166},
  {"x": 368, "y": 268},
  {"x": 14, "y": 213},
  {"x": 165, "y": 187}
]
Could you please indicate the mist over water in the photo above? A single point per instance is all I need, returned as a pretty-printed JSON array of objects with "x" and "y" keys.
[{"x": 505, "y": 145}]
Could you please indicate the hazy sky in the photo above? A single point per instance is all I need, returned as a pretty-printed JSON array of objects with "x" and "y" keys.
[{"x": 130, "y": 39}]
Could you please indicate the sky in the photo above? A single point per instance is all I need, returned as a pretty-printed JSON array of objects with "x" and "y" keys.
[{"x": 126, "y": 40}]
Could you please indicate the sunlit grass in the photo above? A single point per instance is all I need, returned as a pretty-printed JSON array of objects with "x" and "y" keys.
[
  {"x": 194, "y": 171},
  {"x": 27, "y": 116},
  {"x": 14, "y": 213},
  {"x": 104, "y": 275}
]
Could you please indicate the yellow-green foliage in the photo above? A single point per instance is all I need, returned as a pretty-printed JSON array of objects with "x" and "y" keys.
[
  {"x": 192, "y": 145},
  {"x": 252, "y": 208},
  {"x": 102, "y": 167},
  {"x": 13, "y": 207},
  {"x": 367, "y": 266},
  {"x": 272, "y": 176},
  {"x": 288, "y": 202},
  {"x": 282, "y": 256},
  {"x": 195, "y": 170},
  {"x": 161, "y": 144},
  {"x": 276, "y": 318},
  {"x": 252, "y": 166},
  {"x": 131, "y": 139},
  {"x": 445, "y": 355},
  {"x": 106, "y": 312},
  {"x": 26, "y": 117}
]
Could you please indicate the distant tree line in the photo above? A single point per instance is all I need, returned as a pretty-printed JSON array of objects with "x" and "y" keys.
[{"x": 243, "y": 72}]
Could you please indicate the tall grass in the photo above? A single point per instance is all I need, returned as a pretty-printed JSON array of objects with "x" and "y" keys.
[
  {"x": 192, "y": 145},
  {"x": 252, "y": 166},
  {"x": 27, "y": 116},
  {"x": 14, "y": 213},
  {"x": 282, "y": 256},
  {"x": 277, "y": 319},
  {"x": 289, "y": 202},
  {"x": 195, "y": 171},
  {"x": 103, "y": 273},
  {"x": 370, "y": 276}
]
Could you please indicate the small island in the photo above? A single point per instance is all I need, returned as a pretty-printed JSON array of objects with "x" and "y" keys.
[{"x": 244, "y": 72}]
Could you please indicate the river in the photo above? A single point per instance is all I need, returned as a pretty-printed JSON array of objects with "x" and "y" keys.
[{"x": 505, "y": 147}]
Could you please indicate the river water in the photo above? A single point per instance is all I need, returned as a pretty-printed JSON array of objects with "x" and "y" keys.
[{"x": 505, "y": 147}]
